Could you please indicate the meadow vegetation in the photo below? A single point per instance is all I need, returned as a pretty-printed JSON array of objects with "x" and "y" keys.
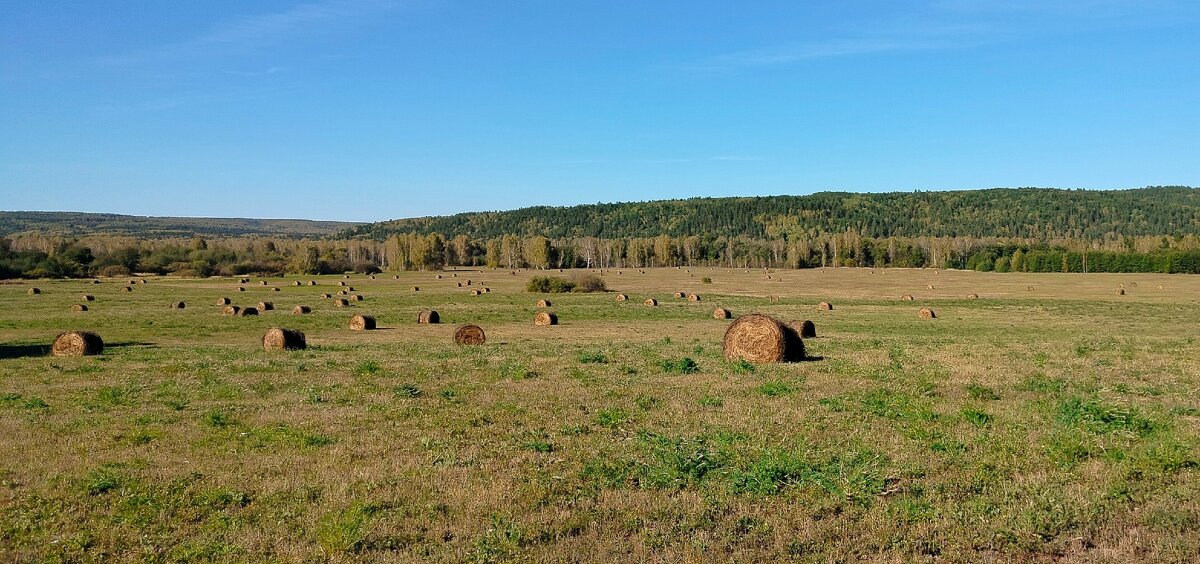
[{"x": 1050, "y": 419}]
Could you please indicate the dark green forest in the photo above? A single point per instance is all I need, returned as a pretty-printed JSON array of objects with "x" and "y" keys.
[
  {"x": 1153, "y": 229},
  {"x": 1025, "y": 213},
  {"x": 80, "y": 224}
]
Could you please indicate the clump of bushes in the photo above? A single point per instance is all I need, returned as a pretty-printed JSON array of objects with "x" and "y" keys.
[
  {"x": 549, "y": 285},
  {"x": 555, "y": 285},
  {"x": 590, "y": 283}
]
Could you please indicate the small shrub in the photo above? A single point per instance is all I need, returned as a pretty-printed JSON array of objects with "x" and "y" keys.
[
  {"x": 592, "y": 358},
  {"x": 539, "y": 441},
  {"x": 712, "y": 401},
  {"x": 976, "y": 417},
  {"x": 1097, "y": 417},
  {"x": 645, "y": 402},
  {"x": 549, "y": 285},
  {"x": 684, "y": 365},
  {"x": 981, "y": 392},
  {"x": 776, "y": 388},
  {"x": 706, "y": 280},
  {"x": 367, "y": 368},
  {"x": 589, "y": 283},
  {"x": 832, "y": 404},
  {"x": 611, "y": 417},
  {"x": 217, "y": 419},
  {"x": 344, "y": 531},
  {"x": 407, "y": 391},
  {"x": 742, "y": 366}
]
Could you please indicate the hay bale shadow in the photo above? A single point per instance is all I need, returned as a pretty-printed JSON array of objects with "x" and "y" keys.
[{"x": 23, "y": 351}]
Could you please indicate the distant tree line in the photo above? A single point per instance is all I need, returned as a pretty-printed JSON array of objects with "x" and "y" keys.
[
  {"x": 38, "y": 256},
  {"x": 1021, "y": 213}
]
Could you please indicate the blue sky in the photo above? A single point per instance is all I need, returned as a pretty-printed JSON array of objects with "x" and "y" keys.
[{"x": 374, "y": 109}]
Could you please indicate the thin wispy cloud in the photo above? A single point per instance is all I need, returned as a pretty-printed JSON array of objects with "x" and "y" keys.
[
  {"x": 252, "y": 74},
  {"x": 797, "y": 53},
  {"x": 951, "y": 24},
  {"x": 670, "y": 160},
  {"x": 249, "y": 32}
]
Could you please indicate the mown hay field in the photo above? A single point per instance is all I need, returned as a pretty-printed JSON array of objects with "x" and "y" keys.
[{"x": 1049, "y": 419}]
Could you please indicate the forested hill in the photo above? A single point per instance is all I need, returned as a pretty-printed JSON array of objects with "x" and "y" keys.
[
  {"x": 1020, "y": 212},
  {"x": 73, "y": 224}
]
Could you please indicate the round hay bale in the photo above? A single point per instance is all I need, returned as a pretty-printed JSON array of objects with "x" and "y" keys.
[
  {"x": 262, "y": 282},
  {"x": 265, "y": 306},
  {"x": 722, "y": 313},
  {"x": 224, "y": 301},
  {"x": 543, "y": 318},
  {"x": 127, "y": 289},
  {"x": 678, "y": 294},
  {"x": 247, "y": 311},
  {"x": 907, "y": 297},
  {"x": 88, "y": 298},
  {"x": 278, "y": 338},
  {"x": 141, "y": 280},
  {"x": 416, "y": 289},
  {"x": 458, "y": 284},
  {"x": 806, "y": 329},
  {"x": 825, "y": 306},
  {"x": 926, "y": 313},
  {"x": 396, "y": 277},
  {"x": 470, "y": 335},
  {"x": 296, "y": 283},
  {"x": 650, "y": 302},
  {"x": 372, "y": 277},
  {"x": 346, "y": 276},
  {"x": 356, "y": 298},
  {"x": 77, "y": 343},
  {"x": 79, "y": 307},
  {"x": 178, "y": 305},
  {"x": 95, "y": 281},
  {"x": 475, "y": 292},
  {"x": 428, "y": 316},
  {"x": 340, "y": 283},
  {"x": 760, "y": 338},
  {"x": 622, "y": 297},
  {"x": 231, "y": 310},
  {"x": 362, "y": 323},
  {"x": 468, "y": 281},
  {"x": 132, "y": 282},
  {"x": 931, "y": 286},
  {"x": 312, "y": 282},
  {"x": 326, "y": 296},
  {"x": 487, "y": 290},
  {"x": 241, "y": 289},
  {"x": 693, "y": 297},
  {"x": 343, "y": 293},
  {"x": 972, "y": 296},
  {"x": 275, "y": 289},
  {"x": 301, "y": 310},
  {"x": 543, "y": 303},
  {"x": 1160, "y": 286},
  {"x": 1120, "y": 285},
  {"x": 341, "y": 302},
  {"x": 34, "y": 291},
  {"x": 243, "y": 280},
  {"x": 439, "y": 277},
  {"x": 1120, "y": 291},
  {"x": 349, "y": 288}
]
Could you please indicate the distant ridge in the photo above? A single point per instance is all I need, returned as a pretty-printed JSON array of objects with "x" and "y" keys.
[
  {"x": 75, "y": 224},
  {"x": 1036, "y": 213}
]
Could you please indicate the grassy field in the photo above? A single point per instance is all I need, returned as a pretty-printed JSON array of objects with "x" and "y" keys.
[{"x": 1051, "y": 419}]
